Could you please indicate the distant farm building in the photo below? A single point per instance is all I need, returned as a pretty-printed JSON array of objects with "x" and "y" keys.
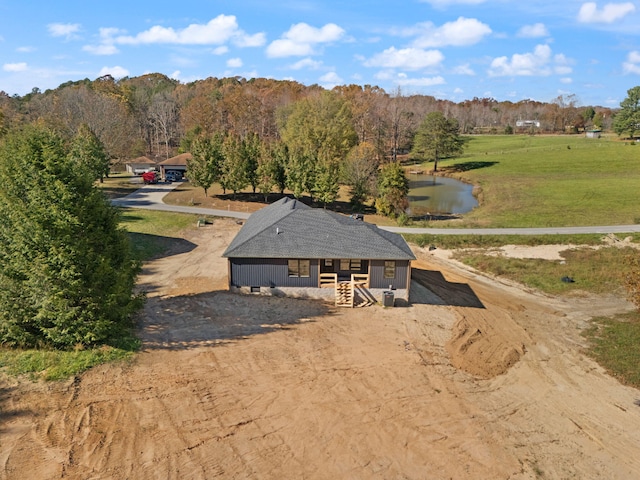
[
  {"x": 595, "y": 133},
  {"x": 527, "y": 124}
]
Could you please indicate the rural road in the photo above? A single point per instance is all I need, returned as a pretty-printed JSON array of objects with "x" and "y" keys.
[{"x": 150, "y": 197}]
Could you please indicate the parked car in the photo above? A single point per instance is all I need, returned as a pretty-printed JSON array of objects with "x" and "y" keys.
[
  {"x": 173, "y": 176},
  {"x": 150, "y": 177}
]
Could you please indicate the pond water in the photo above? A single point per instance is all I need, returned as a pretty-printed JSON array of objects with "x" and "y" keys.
[{"x": 430, "y": 194}]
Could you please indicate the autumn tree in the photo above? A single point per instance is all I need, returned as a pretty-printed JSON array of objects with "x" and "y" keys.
[
  {"x": 437, "y": 137},
  {"x": 271, "y": 168},
  {"x": 233, "y": 175},
  {"x": 66, "y": 271},
  {"x": 250, "y": 151},
  {"x": 393, "y": 189},
  {"x": 360, "y": 171},
  {"x": 627, "y": 120},
  {"x": 318, "y": 132},
  {"x": 87, "y": 150},
  {"x": 204, "y": 166}
]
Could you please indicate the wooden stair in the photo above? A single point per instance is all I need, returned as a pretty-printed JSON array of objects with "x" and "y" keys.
[{"x": 344, "y": 294}]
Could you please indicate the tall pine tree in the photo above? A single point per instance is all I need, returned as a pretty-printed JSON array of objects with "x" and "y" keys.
[{"x": 66, "y": 271}]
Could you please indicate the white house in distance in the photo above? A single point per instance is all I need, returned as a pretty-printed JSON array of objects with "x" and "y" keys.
[{"x": 140, "y": 165}]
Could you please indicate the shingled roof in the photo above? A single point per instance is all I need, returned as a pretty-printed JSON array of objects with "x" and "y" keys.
[{"x": 290, "y": 229}]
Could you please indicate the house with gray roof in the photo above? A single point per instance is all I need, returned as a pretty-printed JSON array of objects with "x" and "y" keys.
[{"x": 289, "y": 248}]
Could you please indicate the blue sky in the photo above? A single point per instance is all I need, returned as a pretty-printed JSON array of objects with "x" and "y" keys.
[{"x": 451, "y": 49}]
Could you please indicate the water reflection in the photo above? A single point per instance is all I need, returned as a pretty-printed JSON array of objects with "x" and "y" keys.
[{"x": 432, "y": 194}]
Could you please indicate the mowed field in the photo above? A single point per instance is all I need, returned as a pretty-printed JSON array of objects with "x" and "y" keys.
[{"x": 539, "y": 181}]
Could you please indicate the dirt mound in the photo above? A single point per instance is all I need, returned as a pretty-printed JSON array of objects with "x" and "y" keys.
[{"x": 484, "y": 345}]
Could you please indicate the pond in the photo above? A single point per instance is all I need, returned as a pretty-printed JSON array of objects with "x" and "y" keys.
[{"x": 430, "y": 194}]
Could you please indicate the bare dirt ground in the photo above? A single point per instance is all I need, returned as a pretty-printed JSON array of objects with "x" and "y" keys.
[{"x": 477, "y": 379}]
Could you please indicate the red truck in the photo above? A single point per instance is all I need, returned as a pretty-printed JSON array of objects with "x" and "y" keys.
[{"x": 149, "y": 178}]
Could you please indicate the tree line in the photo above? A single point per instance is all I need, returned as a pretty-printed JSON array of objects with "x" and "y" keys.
[{"x": 153, "y": 114}]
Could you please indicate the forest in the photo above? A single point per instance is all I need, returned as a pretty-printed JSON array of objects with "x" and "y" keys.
[{"x": 153, "y": 114}]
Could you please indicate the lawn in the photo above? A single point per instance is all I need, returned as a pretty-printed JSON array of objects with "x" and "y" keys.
[{"x": 539, "y": 181}]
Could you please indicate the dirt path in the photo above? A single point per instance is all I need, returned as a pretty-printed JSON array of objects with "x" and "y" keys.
[{"x": 477, "y": 379}]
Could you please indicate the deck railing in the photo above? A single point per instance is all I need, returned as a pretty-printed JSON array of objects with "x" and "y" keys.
[
  {"x": 328, "y": 280},
  {"x": 360, "y": 280}
]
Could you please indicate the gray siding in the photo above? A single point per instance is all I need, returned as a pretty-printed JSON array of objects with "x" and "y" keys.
[
  {"x": 377, "y": 280},
  {"x": 268, "y": 272}
]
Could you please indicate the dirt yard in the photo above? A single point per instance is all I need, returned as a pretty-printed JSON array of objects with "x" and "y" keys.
[{"x": 475, "y": 380}]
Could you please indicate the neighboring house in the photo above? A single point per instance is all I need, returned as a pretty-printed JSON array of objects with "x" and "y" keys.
[
  {"x": 288, "y": 248},
  {"x": 175, "y": 164},
  {"x": 140, "y": 165},
  {"x": 595, "y": 133}
]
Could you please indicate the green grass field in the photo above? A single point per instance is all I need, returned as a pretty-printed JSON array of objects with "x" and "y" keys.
[{"x": 538, "y": 181}]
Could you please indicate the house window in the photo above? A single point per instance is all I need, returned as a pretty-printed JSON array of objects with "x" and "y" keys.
[
  {"x": 299, "y": 268},
  {"x": 328, "y": 263},
  {"x": 350, "y": 264},
  {"x": 389, "y": 269}
]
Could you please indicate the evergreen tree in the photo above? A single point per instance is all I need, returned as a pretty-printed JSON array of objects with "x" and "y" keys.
[
  {"x": 393, "y": 188},
  {"x": 436, "y": 138},
  {"x": 88, "y": 150},
  {"x": 66, "y": 271},
  {"x": 627, "y": 120}
]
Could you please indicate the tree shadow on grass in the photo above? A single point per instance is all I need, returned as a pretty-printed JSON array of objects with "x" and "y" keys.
[
  {"x": 148, "y": 247},
  {"x": 466, "y": 166},
  {"x": 213, "y": 318}
]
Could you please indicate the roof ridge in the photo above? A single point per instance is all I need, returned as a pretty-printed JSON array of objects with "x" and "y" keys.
[{"x": 250, "y": 237}]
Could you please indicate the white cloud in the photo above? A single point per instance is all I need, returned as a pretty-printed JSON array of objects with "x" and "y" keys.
[
  {"x": 537, "y": 63},
  {"x": 222, "y": 29},
  {"x": 533, "y": 31},
  {"x": 15, "y": 67},
  {"x": 463, "y": 70},
  {"x": 67, "y": 30},
  {"x": 220, "y": 50},
  {"x": 301, "y": 39},
  {"x": 406, "y": 58},
  {"x": 255, "y": 40},
  {"x": 25, "y": 49},
  {"x": 307, "y": 63},
  {"x": 288, "y": 48},
  {"x": 632, "y": 65},
  {"x": 462, "y": 32},
  {"x": 405, "y": 81},
  {"x": 104, "y": 49},
  {"x": 234, "y": 63},
  {"x": 330, "y": 80},
  {"x": 115, "y": 72},
  {"x": 610, "y": 13}
]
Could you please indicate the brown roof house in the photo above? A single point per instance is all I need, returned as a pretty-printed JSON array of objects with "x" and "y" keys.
[
  {"x": 175, "y": 164},
  {"x": 140, "y": 165},
  {"x": 289, "y": 248}
]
